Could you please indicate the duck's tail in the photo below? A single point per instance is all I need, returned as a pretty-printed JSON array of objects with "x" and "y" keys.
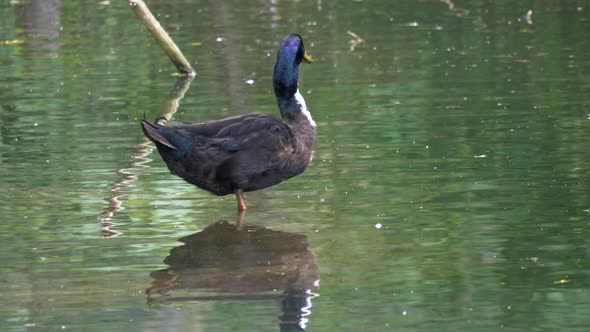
[{"x": 152, "y": 132}]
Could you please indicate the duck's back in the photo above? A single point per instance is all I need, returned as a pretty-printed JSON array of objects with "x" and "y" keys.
[{"x": 250, "y": 152}]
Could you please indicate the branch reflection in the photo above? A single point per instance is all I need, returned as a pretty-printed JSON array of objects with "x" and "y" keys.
[
  {"x": 241, "y": 262},
  {"x": 140, "y": 159}
]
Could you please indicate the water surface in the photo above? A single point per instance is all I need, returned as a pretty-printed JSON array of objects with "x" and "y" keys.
[{"x": 449, "y": 188}]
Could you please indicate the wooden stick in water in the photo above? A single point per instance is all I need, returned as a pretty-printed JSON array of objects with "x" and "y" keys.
[{"x": 145, "y": 15}]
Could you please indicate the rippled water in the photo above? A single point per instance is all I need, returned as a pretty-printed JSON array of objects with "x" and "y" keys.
[{"x": 449, "y": 188}]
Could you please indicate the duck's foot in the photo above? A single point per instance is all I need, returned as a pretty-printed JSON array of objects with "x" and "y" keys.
[{"x": 241, "y": 201}]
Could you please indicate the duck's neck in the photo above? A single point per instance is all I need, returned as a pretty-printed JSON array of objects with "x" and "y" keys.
[
  {"x": 295, "y": 109},
  {"x": 285, "y": 84},
  {"x": 289, "y": 99}
]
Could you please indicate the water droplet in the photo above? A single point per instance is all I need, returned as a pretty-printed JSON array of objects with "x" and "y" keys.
[
  {"x": 250, "y": 81},
  {"x": 219, "y": 39}
]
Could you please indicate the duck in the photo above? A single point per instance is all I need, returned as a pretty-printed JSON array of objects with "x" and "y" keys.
[{"x": 245, "y": 152}]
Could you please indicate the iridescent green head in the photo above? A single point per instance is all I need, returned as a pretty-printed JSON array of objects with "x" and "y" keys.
[{"x": 286, "y": 72}]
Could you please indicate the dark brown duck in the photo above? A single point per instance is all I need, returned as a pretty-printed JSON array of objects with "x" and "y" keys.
[{"x": 245, "y": 152}]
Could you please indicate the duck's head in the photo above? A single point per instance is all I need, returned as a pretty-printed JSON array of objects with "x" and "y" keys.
[{"x": 286, "y": 73}]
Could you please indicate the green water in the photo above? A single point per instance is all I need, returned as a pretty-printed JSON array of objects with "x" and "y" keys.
[{"x": 450, "y": 187}]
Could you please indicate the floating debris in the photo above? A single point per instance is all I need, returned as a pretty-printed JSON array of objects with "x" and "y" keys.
[
  {"x": 529, "y": 16},
  {"x": 355, "y": 41},
  {"x": 460, "y": 12},
  {"x": 11, "y": 42}
]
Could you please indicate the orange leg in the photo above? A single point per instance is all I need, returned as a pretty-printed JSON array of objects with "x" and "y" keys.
[
  {"x": 241, "y": 200},
  {"x": 240, "y": 220}
]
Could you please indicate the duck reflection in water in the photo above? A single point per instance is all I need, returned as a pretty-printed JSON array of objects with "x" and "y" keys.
[{"x": 241, "y": 262}]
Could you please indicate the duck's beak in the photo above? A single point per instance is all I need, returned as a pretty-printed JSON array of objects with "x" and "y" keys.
[{"x": 307, "y": 58}]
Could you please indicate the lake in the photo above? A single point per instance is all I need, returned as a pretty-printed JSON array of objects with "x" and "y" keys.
[{"x": 449, "y": 189}]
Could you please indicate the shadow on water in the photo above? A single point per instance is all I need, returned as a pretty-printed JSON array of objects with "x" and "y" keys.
[
  {"x": 40, "y": 22},
  {"x": 226, "y": 262}
]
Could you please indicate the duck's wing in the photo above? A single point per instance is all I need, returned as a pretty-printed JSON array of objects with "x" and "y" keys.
[
  {"x": 250, "y": 151},
  {"x": 259, "y": 150},
  {"x": 254, "y": 142},
  {"x": 213, "y": 128},
  {"x": 229, "y": 135}
]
